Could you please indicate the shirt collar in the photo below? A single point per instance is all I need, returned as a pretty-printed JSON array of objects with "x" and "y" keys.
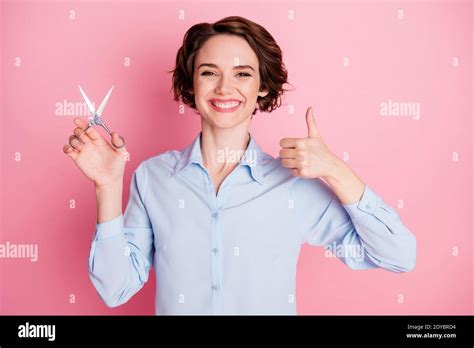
[{"x": 252, "y": 157}]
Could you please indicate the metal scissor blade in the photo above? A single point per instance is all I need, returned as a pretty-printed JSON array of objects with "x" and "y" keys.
[
  {"x": 104, "y": 102},
  {"x": 88, "y": 102}
]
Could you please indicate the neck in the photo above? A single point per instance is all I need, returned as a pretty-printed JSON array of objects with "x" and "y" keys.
[{"x": 216, "y": 144}]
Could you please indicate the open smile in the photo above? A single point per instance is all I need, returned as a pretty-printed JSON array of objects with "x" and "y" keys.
[{"x": 225, "y": 105}]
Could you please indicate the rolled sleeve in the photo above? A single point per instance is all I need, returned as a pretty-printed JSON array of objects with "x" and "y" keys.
[
  {"x": 367, "y": 204},
  {"x": 122, "y": 249},
  {"x": 369, "y": 225},
  {"x": 109, "y": 228}
]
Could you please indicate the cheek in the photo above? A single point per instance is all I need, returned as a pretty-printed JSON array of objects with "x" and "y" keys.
[
  {"x": 251, "y": 94},
  {"x": 201, "y": 89},
  {"x": 256, "y": 87}
]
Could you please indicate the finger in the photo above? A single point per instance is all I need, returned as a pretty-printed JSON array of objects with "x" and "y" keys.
[
  {"x": 70, "y": 151},
  {"x": 91, "y": 131},
  {"x": 118, "y": 142},
  {"x": 75, "y": 143},
  {"x": 312, "y": 129},
  {"x": 288, "y": 142},
  {"x": 287, "y": 153},
  {"x": 81, "y": 135},
  {"x": 289, "y": 163}
]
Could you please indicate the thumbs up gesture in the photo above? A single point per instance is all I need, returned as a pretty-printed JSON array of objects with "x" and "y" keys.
[{"x": 308, "y": 157}]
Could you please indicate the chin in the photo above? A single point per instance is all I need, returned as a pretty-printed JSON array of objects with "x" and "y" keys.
[
  {"x": 223, "y": 120},
  {"x": 225, "y": 123}
]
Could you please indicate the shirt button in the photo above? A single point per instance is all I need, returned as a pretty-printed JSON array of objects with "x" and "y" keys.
[
  {"x": 214, "y": 250},
  {"x": 215, "y": 215},
  {"x": 216, "y": 287}
]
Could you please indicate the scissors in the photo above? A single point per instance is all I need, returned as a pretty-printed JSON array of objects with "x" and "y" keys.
[{"x": 96, "y": 115}]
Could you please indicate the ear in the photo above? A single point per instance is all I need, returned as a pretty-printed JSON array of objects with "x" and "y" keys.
[{"x": 262, "y": 93}]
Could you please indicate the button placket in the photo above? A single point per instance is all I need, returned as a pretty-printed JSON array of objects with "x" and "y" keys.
[
  {"x": 216, "y": 203},
  {"x": 215, "y": 261},
  {"x": 214, "y": 246}
]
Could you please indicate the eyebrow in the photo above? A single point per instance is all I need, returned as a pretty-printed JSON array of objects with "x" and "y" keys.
[{"x": 210, "y": 65}]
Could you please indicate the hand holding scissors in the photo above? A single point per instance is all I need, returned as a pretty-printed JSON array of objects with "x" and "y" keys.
[
  {"x": 96, "y": 115},
  {"x": 100, "y": 161}
]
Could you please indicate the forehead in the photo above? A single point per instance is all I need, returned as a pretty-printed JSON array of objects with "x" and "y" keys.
[{"x": 224, "y": 50}]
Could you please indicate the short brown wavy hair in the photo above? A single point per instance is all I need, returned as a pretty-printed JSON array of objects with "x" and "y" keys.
[{"x": 273, "y": 73}]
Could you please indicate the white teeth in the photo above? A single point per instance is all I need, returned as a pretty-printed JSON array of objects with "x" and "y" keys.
[{"x": 226, "y": 105}]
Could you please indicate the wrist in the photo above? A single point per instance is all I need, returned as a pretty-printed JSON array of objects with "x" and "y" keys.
[
  {"x": 114, "y": 186},
  {"x": 336, "y": 170},
  {"x": 109, "y": 201},
  {"x": 345, "y": 183}
]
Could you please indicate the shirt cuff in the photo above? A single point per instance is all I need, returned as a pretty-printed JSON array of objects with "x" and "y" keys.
[
  {"x": 109, "y": 228},
  {"x": 367, "y": 204}
]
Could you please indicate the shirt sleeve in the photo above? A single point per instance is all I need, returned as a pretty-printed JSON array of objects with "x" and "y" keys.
[
  {"x": 364, "y": 234},
  {"x": 122, "y": 249}
]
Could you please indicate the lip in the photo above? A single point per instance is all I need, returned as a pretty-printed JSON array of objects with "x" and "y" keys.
[{"x": 222, "y": 101}]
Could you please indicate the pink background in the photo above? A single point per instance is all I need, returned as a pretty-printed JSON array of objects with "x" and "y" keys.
[{"x": 407, "y": 59}]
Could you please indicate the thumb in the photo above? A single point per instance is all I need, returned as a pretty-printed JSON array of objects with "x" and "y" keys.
[
  {"x": 118, "y": 142},
  {"x": 312, "y": 129}
]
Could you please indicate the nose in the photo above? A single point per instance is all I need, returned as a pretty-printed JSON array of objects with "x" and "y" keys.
[{"x": 224, "y": 85}]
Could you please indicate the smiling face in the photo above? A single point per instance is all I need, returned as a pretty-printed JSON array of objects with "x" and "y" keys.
[{"x": 226, "y": 81}]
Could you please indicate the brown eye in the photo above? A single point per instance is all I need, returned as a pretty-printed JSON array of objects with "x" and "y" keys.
[
  {"x": 243, "y": 74},
  {"x": 206, "y": 73}
]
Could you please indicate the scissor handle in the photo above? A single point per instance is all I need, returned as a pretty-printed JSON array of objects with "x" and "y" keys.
[
  {"x": 98, "y": 121},
  {"x": 89, "y": 124},
  {"x": 101, "y": 123}
]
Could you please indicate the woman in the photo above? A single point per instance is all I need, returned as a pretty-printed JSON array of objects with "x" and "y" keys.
[{"x": 224, "y": 226}]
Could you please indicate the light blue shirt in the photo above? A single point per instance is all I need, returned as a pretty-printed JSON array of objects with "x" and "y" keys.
[{"x": 235, "y": 252}]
